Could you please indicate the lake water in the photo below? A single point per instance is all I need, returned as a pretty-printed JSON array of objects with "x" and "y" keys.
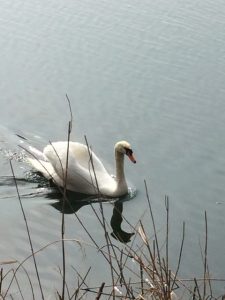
[{"x": 152, "y": 73}]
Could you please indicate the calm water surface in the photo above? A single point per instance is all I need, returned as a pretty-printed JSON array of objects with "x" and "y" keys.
[{"x": 150, "y": 73}]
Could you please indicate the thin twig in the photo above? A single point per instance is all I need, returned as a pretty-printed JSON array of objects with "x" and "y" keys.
[
  {"x": 63, "y": 214},
  {"x": 64, "y": 199},
  {"x": 180, "y": 255},
  {"x": 19, "y": 288},
  {"x": 1, "y": 279},
  {"x": 100, "y": 291},
  {"x": 156, "y": 238},
  {"x": 70, "y": 108},
  {"x": 142, "y": 280},
  {"x": 28, "y": 231},
  {"x": 75, "y": 294},
  {"x": 30, "y": 282},
  {"x": 205, "y": 256},
  {"x": 197, "y": 289},
  {"x": 167, "y": 245},
  {"x": 102, "y": 214}
]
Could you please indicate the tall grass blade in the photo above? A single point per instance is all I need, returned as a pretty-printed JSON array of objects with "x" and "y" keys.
[
  {"x": 28, "y": 231},
  {"x": 64, "y": 199},
  {"x": 100, "y": 291},
  {"x": 156, "y": 238}
]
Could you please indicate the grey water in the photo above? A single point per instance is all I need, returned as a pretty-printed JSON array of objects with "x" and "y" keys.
[{"x": 152, "y": 73}]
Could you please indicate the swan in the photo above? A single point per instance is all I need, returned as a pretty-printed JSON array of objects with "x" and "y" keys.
[{"x": 80, "y": 177}]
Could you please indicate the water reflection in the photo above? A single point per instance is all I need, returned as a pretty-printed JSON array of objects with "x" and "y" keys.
[
  {"x": 116, "y": 221},
  {"x": 74, "y": 201}
]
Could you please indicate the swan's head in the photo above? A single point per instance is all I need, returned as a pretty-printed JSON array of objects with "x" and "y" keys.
[{"x": 125, "y": 148}]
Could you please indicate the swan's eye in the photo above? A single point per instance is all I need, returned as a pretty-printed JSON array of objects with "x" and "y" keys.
[{"x": 128, "y": 151}]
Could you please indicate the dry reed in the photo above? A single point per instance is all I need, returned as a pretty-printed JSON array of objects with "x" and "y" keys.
[{"x": 154, "y": 278}]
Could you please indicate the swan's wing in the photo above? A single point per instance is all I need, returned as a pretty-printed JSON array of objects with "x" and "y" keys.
[
  {"x": 80, "y": 175},
  {"x": 79, "y": 157},
  {"x": 56, "y": 154},
  {"x": 42, "y": 166},
  {"x": 80, "y": 179},
  {"x": 49, "y": 172},
  {"x": 36, "y": 153}
]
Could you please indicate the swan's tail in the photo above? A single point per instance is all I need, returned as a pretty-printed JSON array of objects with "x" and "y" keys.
[
  {"x": 37, "y": 154},
  {"x": 38, "y": 161},
  {"x": 42, "y": 166}
]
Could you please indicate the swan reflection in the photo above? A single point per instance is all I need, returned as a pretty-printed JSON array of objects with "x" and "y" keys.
[
  {"x": 74, "y": 201},
  {"x": 116, "y": 221}
]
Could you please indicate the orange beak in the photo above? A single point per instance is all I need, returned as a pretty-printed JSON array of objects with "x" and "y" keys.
[{"x": 132, "y": 158}]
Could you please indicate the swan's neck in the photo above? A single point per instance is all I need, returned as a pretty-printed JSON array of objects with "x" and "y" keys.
[{"x": 120, "y": 177}]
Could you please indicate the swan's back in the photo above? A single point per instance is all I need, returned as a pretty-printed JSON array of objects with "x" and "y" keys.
[{"x": 80, "y": 175}]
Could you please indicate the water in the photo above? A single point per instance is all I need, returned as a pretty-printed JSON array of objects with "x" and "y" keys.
[{"x": 150, "y": 73}]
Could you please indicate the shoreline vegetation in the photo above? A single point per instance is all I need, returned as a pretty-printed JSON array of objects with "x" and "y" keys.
[{"x": 154, "y": 277}]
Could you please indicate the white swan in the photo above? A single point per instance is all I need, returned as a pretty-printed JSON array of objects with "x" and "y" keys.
[{"x": 80, "y": 175}]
